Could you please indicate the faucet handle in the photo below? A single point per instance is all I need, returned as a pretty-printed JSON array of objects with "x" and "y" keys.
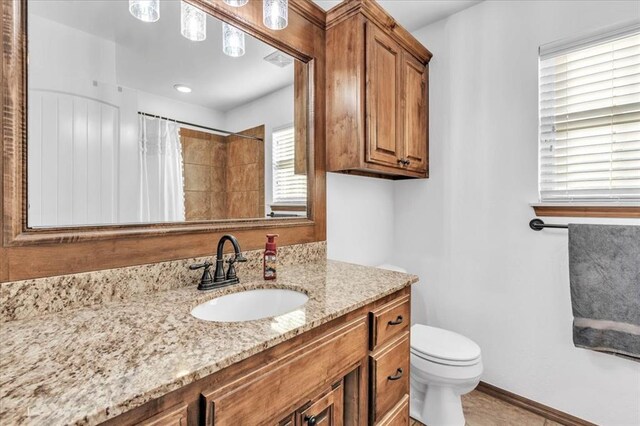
[{"x": 206, "y": 265}]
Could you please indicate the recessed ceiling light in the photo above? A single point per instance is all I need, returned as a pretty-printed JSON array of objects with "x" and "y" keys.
[{"x": 182, "y": 88}]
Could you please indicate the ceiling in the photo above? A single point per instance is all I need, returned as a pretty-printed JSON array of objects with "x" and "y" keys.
[
  {"x": 152, "y": 57},
  {"x": 415, "y": 14}
]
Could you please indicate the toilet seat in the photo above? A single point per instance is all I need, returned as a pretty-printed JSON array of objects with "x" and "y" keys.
[
  {"x": 443, "y": 346},
  {"x": 446, "y": 362}
]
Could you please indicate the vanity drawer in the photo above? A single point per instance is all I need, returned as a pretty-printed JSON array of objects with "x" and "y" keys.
[
  {"x": 389, "y": 377},
  {"x": 390, "y": 320},
  {"x": 398, "y": 416}
]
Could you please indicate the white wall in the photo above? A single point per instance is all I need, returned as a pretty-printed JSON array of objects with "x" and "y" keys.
[
  {"x": 274, "y": 110},
  {"x": 182, "y": 111},
  {"x": 82, "y": 136},
  {"x": 66, "y": 59},
  {"x": 359, "y": 219},
  {"x": 465, "y": 230}
]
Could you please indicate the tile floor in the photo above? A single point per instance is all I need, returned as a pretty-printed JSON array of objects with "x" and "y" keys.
[{"x": 481, "y": 409}]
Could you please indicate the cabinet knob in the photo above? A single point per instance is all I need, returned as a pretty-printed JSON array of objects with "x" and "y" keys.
[
  {"x": 311, "y": 420},
  {"x": 404, "y": 161}
]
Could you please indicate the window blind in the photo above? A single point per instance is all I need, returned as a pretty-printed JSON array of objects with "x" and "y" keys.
[
  {"x": 288, "y": 188},
  {"x": 589, "y": 98}
]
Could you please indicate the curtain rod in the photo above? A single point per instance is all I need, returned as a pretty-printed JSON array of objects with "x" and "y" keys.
[{"x": 201, "y": 127}]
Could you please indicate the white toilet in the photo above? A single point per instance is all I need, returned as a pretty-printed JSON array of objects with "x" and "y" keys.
[{"x": 444, "y": 366}]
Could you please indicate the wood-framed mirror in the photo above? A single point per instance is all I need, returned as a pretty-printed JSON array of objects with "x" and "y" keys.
[{"x": 107, "y": 162}]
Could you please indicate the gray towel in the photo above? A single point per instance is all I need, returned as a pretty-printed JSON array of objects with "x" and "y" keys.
[{"x": 604, "y": 270}]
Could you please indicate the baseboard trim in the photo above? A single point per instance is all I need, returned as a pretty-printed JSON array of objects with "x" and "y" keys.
[{"x": 533, "y": 406}]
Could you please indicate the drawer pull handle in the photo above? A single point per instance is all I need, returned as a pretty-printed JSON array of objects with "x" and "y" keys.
[
  {"x": 311, "y": 420},
  {"x": 397, "y": 376},
  {"x": 397, "y": 321}
]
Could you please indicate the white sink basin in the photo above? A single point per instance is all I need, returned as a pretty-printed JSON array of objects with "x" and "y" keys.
[{"x": 250, "y": 305}]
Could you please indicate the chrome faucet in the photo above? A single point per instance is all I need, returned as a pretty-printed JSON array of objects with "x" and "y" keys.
[{"x": 220, "y": 278}]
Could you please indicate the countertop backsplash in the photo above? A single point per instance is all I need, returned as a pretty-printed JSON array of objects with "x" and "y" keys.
[{"x": 41, "y": 296}]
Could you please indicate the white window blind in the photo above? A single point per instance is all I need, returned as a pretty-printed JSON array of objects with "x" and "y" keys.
[
  {"x": 288, "y": 188},
  {"x": 589, "y": 147}
]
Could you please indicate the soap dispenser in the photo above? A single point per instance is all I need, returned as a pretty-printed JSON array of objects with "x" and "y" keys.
[{"x": 270, "y": 259}]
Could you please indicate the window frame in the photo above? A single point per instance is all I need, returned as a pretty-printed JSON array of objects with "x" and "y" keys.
[{"x": 568, "y": 208}]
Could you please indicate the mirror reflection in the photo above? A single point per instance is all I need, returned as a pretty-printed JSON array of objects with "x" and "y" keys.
[{"x": 184, "y": 118}]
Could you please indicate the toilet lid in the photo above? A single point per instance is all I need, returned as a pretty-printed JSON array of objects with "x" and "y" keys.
[{"x": 443, "y": 346}]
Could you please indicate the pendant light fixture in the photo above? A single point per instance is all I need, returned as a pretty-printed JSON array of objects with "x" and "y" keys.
[
  {"x": 275, "y": 13},
  {"x": 232, "y": 40},
  {"x": 193, "y": 22},
  {"x": 145, "y": 10},
  {"x": 236, "y": 3}
]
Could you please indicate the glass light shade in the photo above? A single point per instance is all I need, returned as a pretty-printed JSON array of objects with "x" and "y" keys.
[
  {"x": 232, "y": 40},
  {"x": 236, "y": 3},
  {"x": 193, "y": 22},
  {"x": 275, "y": 13},
  {"x": 145, "y": 10}
]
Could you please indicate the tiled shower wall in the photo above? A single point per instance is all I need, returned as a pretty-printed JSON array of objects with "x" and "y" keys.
[{"x": 223, "y": 175}]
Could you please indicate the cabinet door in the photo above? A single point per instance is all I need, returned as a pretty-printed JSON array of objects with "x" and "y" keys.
[
  {"x": 326, "y": 410},
  {"x": 415, "y": 138},
  {"x": 384, "y": 59}
]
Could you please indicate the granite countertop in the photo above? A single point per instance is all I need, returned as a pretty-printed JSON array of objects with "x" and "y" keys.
[{"x": 88, "y": 365}]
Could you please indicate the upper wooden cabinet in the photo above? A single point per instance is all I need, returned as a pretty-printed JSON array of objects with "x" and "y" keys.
[{"x": 377, "y": 94}]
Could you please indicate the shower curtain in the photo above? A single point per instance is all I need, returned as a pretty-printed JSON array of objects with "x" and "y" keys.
[{"x": 161, "y": 176}]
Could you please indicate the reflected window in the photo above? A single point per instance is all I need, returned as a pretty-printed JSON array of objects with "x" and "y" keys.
[{"x": 289, "y": 188}]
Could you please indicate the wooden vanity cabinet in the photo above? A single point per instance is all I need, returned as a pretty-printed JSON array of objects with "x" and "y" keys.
[
  {"x": 377, "y": 94},
  {"x": 266, "y": 394},
  {"x": 351, "y": 371}
]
